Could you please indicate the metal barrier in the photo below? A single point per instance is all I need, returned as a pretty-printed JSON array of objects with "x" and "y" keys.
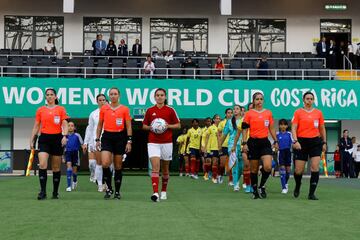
[{"x": 193, "y": 73}]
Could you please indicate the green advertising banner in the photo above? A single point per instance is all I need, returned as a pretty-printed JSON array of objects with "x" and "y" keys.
[{"x": 20, "y": 97}]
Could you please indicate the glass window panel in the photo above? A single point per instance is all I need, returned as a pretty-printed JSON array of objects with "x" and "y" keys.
[
  {"x": 17, "y": 23},
  {"x": 335, "y": 25},
  {"x": 157, "y": 42},
  {"x": 97, "y": 24},
  {"x": 242, "y": 25},
  {"x": 49, "y": 24},
  {"x": 200, "y": 42},
  {"x": 271, "y": 26},
  {"x": 170, "y": 42},
  {"x": 42, "y": 37},
  {"x": 131, "y": 37},
  {"x": 119, "y": 36},
  {"x": 127, "y": 24},
  {"x": 18, "y": 40},
  {"x": 187, "y": 42},
  {"x": 278, "y": 43},
  {"x": 264, "y": 44}
]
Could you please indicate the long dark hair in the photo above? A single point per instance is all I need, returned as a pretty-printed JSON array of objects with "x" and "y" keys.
[
  {"x": 54, "y": 91},
  {"x": 233, "y": 119},
  {"x": 213, "y": 118},
  {"x": 101, "y": 95},
  {"x": 162, "y": 89}
]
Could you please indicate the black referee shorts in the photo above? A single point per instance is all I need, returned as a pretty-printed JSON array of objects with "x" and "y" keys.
[
  {"x": 51, "y": 144},
  {"x": 258, "y": 147},
  {"x": 310, "y": 147},
  {"x": 114, "y": 142}
]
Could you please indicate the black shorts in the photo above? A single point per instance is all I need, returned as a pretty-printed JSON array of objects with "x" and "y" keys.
[
  {"x": 224, "y": 151},
  {"x": 73, "y": 157},
  {"x": 285, "y": 157},
  {"x": 114, "y": 142},
  {"x": 258, "y": 147},
  {"x": 310, "y": 147},
  {"x": 337, "y": 165},
  {"x": 51, "y": 144},
  {"x": 195, "y": 152}
]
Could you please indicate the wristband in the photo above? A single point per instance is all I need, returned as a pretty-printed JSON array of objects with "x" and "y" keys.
[
  {"x": 66, "y": 136},
  {"x": 243, "y": 143},
  {"x": 276, "y": 142},
  {"x": 97, "y": 140},
  {"x": 295, "y": 141},
  {"x": 324, "y": 143}
]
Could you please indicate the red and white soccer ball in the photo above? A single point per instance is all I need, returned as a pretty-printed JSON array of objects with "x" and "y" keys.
[{"x": 158, "y": 126}]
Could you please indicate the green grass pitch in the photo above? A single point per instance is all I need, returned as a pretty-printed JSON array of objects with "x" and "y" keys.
[{"x": 194, "y": 210}]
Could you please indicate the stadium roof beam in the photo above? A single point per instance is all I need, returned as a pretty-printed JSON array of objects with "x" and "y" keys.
[{"x": 225, "y": 7}]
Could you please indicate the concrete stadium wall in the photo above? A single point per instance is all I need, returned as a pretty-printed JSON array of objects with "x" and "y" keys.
[{"x": 303, "y": 17}]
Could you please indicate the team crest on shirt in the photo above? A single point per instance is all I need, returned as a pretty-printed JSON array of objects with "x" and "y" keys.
[{"x": 316, "y": 123}]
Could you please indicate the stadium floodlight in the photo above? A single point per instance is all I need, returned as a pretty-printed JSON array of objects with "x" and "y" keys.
[
  {"x": 68, "y": 6},
  {"x": 225, "y": 7}
]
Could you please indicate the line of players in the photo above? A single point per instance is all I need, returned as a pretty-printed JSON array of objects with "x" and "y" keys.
[{"x": 221, "y": 150}]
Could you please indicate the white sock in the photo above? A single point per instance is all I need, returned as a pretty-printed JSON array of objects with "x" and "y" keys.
[
  {"x": 92, "y": 166},
  {"x": 99, "y": 174}
]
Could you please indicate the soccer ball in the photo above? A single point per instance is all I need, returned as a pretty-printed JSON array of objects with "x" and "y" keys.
[{"x": 158, "y": 126}]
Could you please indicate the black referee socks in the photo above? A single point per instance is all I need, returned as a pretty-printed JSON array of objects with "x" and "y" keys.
[
  {"x": 107, "y": 177},
  {"x": 56, "y": 181},
  {"x": 313, "y": 182},
  {"x": 264, "y": 177},
  {"x": 118, "y": 180},
  {"x": 254, "y": 180},
  {"x": 43, "y": 179},
  {"x": 297, "y": 178}
]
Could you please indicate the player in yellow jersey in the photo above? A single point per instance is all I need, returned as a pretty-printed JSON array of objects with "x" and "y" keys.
[
  {"x": 211, "y": 145},
  {"x": 205, "y": 158},
  {"x": 193, "y": 141},
  {"x": 223, "y": 153},
  {"x": 181, "y": 141}
]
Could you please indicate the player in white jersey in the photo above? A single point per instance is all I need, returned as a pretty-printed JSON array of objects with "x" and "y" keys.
[{"x": 95, "y": 164}]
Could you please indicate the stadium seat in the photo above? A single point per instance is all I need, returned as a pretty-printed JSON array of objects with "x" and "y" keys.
[
  {"x": 130, "y": 70},
  {"x": 235, "y": 66},
  {"x": 73, "y": 69},
  {"x": 4, "y": 62},
  {"x": 160, "y": 73},
  {"x": 13, "y": 71},
  {"x": 118, "y": 63},
  {"x": 4, "y": 51},
  {"x": 102, "y": 73},
  {"x": 284, "y": 66},
  {"x": 45, "y": 63},
  {"x": 204, "y": 63},
  {"x": 175, "y": 73},
  {"x": 89, "y": 64}
]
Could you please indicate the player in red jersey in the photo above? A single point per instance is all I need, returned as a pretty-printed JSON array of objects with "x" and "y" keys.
[
  {"x": 51, "y": 120},
  {"x": 309, "y": 136},
  {"x": 160, "y": 146}
]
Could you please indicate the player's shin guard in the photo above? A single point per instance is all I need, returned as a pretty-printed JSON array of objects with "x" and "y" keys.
[
  {"x": 155, "y": 181},
  {"x": 264, "y": 177},
  {"x": 107, "y": 177},
  {"x": 247, "y": 177},
  {"x": 43, "y": 179},
  {"x": 118, "y": 180},
  {"x": 56, "y": 181},
  {"x": 314, "y": 179},
  {"x": 164, "y": 181},
  {"x": 254, "y": 180},
  {"x": 197, "y": 167},
  {"x": 283, "y": 177},
  {"x": 69, "y": 173},
  {"x": 99, "y": 174},
  {"x": 192, "y": 164}
]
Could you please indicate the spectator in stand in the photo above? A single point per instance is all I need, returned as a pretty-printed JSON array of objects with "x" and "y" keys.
[
  {"x": 123, "y": 48},
  {"x": 345, "y": 150},
  {"x": 352, "y": 51},
  {"x": 111, "y": 48},
  {"x": 50, "y": 46},
  {"x": 322, "y": 48},
  {"x": 332, "y": 55},
  {"x": 219, "y": 66},
  {"x": 337, "y": 162},
  {"x": 169, "y": 56},
  {"x": 149, "y": 67},
  {"x": 358, "y": 55},
  {"x": 352, "y": 161},
  {"x": 262, "y": 66},
  {"x": 137, "y": 48},
  {"x": 99, "y": 46},
  {"x": 189, "y": 63},
  {"x": 356, "y": 156}
]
